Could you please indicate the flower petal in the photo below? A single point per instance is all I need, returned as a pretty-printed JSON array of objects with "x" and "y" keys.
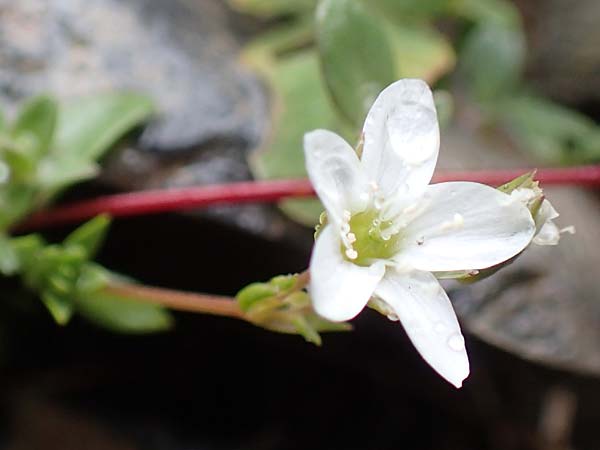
[
  {"x": 401, "y": 139},
  {"x": 335, "y": 172},
  {"x": 427, "y": 316},
  {"x": 465, "y": 226},
  {"x": 339, "y": 289},
  {"x": 547, "y": 233}
]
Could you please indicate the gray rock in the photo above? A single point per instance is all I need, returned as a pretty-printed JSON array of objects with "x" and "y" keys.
[{"x": 183, "y": 53}]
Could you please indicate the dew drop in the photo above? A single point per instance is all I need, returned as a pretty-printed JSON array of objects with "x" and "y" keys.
[{"x": 456, "y": 342}]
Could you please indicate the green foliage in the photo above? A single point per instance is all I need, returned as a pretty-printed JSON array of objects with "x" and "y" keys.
[
  {"x": 67, "y": 281},
  {"x": 553, "y": 133},
  {"x": 492, "y": 60},
  {"x": 282, "y": 305},
  {"x": 117, "y": 312},
  {"x": 272, "y": 8},
  {"x": 300, "y": 103},
  {"x": 45, "y": 150},
  {"x": 355, "y": 56},
  {"x": 33, "y": 130},
  {"x": 309, "y": 91},
  {"x": 50, "y": 147}
]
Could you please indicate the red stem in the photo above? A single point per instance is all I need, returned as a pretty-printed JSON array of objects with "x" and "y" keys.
[{"x": 157, "y": 201}]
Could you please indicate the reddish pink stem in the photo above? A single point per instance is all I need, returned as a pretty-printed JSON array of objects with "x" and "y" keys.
[{"x": 157, "y": 201}]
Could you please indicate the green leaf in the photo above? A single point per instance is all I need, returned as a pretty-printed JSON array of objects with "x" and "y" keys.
[
  {"x": 60, "y": 306},
  {"x": 90, "y": 235},
  {"x": 409, "y": 10},
  {"x": 301, "y": 104},
  {"x": 553, "y": 133},
  {"x": 492, "y": 59},
  {"x": 272, "y": 8},
  {"x": 90, "y": 126},
  {"x": 34, "y": 127},
  {"x": 500, "y": 12},
  {"x": 419, "y": 51},
  {"x": 58, "y": 173},
  {"x": 355, "y": 56},
  {"x": 9, "y": 258},
  {"x": 122, "y": 314},
  {"x": 262, "y": 53}
]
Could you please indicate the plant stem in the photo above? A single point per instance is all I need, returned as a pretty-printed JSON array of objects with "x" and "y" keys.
[
  {"x": 158, "y": 201},
  {"x": 189, "y": 301},
  {"x": 181, "y": 301}
]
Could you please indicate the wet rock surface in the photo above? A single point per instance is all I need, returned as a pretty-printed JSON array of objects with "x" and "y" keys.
[{"x": 183, "y": 53}]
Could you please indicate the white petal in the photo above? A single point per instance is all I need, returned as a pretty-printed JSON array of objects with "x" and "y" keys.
[
  {"x": 465, "y": 226},
  {"x": 335, "y": 172},
  {"x": 339, "y": 289},
  {"x": 427, "y": 316},
  {"x": 401, "y": 139},
  {"x": 547, "y": 232}
]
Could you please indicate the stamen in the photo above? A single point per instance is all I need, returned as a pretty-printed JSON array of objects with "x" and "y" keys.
[{"x": 351, "y": 253}]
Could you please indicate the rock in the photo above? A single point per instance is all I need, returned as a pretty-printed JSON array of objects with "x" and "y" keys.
[
  {"x": 564, "y": 61},
  {"x": 183, "y": 53}
]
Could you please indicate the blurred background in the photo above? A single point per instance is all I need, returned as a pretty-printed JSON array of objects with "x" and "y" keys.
[{"x": 195, "y": 92}]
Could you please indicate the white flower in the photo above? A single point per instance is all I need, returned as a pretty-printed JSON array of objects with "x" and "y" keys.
[{"x": 389, "y": 229}]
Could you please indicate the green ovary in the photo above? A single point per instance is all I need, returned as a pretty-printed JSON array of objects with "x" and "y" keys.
[{"x": 370, "y": 243}]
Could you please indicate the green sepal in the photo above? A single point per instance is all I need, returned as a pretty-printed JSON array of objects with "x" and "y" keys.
[
  {"x": 89, "y": 236},
  {"x": 281, "y": 305}
]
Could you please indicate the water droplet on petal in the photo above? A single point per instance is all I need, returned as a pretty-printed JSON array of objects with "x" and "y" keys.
[{"x": 456, "y": 342}]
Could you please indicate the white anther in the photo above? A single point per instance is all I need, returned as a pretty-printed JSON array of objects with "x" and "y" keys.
[
  {"x": 347, "y": 215},
  {"x": 351, "y": 238},
  {"x": 570, "y": 229},
  {"x": 351, "y": 253}
]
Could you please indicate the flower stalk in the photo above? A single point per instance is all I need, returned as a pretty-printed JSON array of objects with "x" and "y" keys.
[
  {"x": 178, "y": 300},
  {"x": 168, "y": 200}
]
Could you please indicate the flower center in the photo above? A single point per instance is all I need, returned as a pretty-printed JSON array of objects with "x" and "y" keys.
[{"x": 365, "y": 237}]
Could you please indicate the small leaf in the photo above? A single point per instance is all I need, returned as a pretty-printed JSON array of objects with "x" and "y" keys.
[
  {"x": 122, "y": 314},
  {"x": 90, "y": 126},
  {"x": 9, "y": 258},
  {"x": 60, "y": 306},
  {"x": 35, "y": 125},
  {"x": 492, "y": 60},
  {"x": 306, "y": 330},
  {"x": 355, "y": 56},
  {"x": 553, "y": 133},
  {"x": 56, "y": 174},
  {"x": 90, "y": 235}
]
